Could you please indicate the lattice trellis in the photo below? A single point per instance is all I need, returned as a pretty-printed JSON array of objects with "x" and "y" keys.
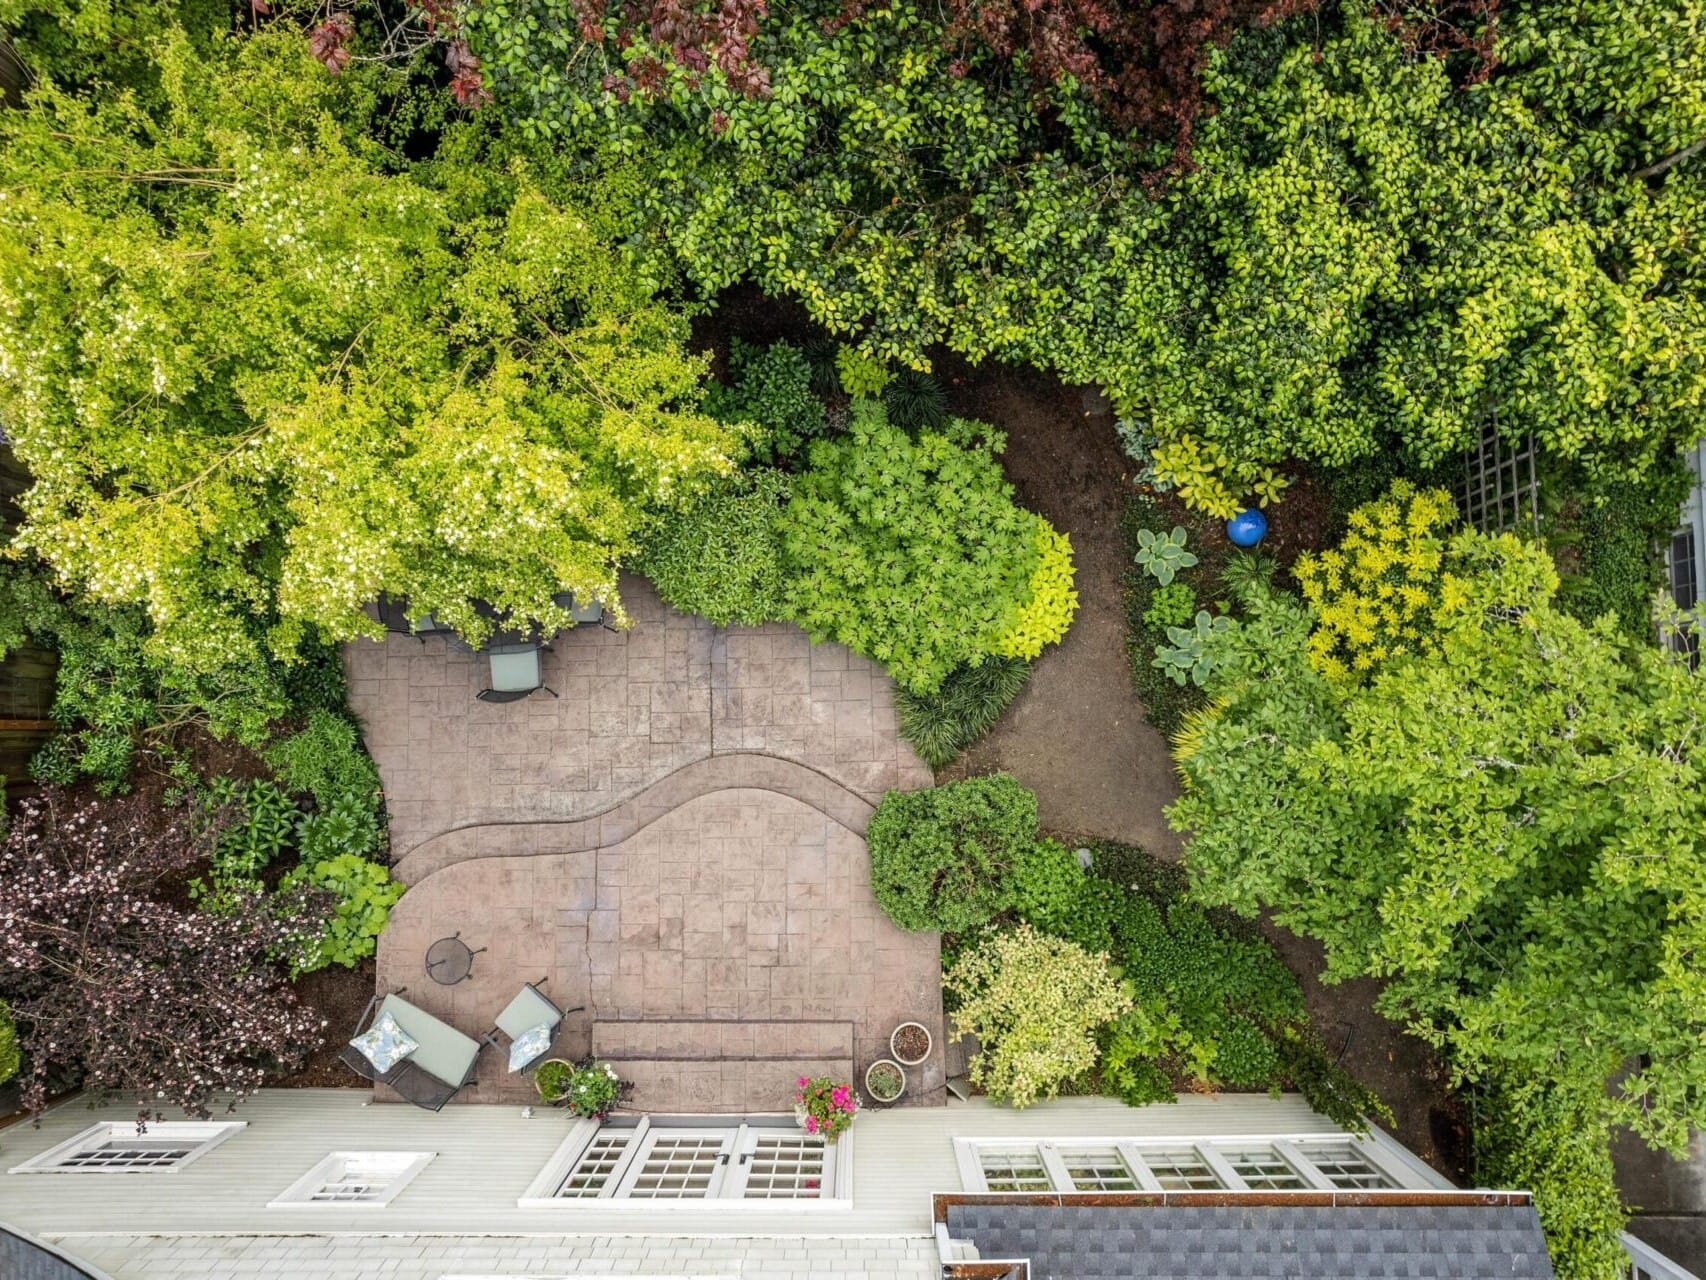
[{"x": 1500, "y": 489}]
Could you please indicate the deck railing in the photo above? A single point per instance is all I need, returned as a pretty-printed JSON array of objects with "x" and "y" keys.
[{"x": 1647, "y": 1263}]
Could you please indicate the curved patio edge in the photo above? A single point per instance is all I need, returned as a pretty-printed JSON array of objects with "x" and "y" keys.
[{"x": 741, "y": 770}]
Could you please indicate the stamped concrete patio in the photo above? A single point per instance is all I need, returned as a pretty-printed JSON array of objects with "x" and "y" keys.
[{"x": 675, "y": 843}]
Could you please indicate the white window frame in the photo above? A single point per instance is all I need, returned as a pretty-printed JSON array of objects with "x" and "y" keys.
[
  {"x": 740, "y": 1137},
  {"x": 207, "y": 1134},
  {"x": 1387, "y": 1157},
  {"x": 299, "y": 1194}
]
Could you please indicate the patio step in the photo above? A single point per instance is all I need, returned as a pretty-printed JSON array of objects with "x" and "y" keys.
[
  {"x": 709, "y": 1065},
  {"x": 720, "y": 1040}
]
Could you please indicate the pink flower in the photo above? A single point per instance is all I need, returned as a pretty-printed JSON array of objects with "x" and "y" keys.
[
  {"x": 811, "y": 1124},
  {"x": 840, "y": 1095},
  {"x": 803, "y": 1082}
]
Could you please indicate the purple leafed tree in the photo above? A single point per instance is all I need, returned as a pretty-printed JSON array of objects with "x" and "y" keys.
[{"x": 111, "y": 984}]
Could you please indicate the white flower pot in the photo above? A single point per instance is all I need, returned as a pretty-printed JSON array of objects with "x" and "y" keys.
[{"x": 894, "y": 1046}]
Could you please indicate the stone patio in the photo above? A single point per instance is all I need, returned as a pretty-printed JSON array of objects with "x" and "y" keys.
[
  {"x": 633, "y": 707},
  {"x": 674, "y": 843}
]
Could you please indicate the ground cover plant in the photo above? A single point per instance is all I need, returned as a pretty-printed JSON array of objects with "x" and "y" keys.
[{"x": 1525, "y": 891}]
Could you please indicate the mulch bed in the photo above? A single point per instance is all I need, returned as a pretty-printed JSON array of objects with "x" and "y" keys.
[{"x": 340, "y": 995}]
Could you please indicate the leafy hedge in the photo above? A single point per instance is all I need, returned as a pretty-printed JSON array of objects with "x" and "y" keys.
[
  {"x": 721, "y": 555},
  {"x": 946, "y": 858}
]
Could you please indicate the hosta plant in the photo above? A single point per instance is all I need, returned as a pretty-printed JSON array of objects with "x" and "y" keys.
[
  {"x": 1187, "y": 656},
  {"x": 1163, "y": 554}
]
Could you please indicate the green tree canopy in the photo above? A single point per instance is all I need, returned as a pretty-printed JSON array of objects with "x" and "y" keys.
[
  {"x": 263, "y": 371},
  {"x": 1510, "y": 831},
  {"x": 1368, "y": 250}
]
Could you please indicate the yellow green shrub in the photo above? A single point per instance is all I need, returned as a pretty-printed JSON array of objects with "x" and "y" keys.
[
  {"x": 1382, "y": 591},
  {"x": 1206, "y": 480},
  {"x": 1045, "y": 616}
]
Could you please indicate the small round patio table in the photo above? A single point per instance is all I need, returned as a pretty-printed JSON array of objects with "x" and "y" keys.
[{"x": 449, "y": 961}]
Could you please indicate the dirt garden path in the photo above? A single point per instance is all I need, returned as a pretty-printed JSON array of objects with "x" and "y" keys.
[
  {"x": 1078, "y": 738},
  {"x": 1076, "y": 735}
]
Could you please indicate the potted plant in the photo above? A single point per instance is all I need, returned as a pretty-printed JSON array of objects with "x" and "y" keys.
[
  {"x": 824, "y": 1106},
  {"x": 910, "y": 1043},
  {"x": 589, "y": 1089},
  {"x": 885, "y": 1080}
]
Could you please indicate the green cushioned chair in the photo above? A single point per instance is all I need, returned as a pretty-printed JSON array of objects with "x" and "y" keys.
[
  {"x": 528, "y": 1011},
  {"x": 441, "y": 1066}
]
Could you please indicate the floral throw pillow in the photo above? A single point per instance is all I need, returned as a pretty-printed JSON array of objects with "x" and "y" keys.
[
  {"x": 384, "y": 1044},
  {"x": 529, "y": 1045}
]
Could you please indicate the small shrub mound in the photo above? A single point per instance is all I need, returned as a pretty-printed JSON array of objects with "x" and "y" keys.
[
  {"x": 1378, "y": 594},
  {"x": 946, "y": 858},
  {"x": 770, "y": 387},
  {"x": 720, "y": 556},
  {"x": 1035, "y": 1004},
  {"x": 942, "y": 724}
]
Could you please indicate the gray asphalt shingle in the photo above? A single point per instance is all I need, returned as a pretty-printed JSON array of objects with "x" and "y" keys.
[{"x": 1260, "y": 1242}]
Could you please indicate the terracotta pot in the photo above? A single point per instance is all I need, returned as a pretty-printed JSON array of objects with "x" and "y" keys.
[
  {"x": 894, "y": 1044},
  {"x": 898, "y": 1070}
]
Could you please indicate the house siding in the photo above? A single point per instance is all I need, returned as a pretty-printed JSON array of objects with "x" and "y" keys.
[{"x": 486, "y": 1156}]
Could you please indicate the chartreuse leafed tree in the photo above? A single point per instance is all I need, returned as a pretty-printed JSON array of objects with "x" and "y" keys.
[
  {"x": 1508, "y": 828},
  {"x": 261, "y": 370}
]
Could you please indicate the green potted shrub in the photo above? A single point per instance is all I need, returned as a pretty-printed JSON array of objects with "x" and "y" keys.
[{"x": 885, "y": 1081}]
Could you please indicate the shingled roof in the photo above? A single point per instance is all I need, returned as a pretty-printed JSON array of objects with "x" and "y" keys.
[{"x": 1256, "y": 1241}]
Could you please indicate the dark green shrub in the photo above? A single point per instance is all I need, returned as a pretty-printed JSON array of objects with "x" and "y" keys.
[
  {"x": 721, "y": 556},
  {"x": 1327, "y": 1087},
  {"x": 770, "y": 387},
  {"x": 1048, "y": 890},
  {"x": 946, "y": 858},
  {"x": 914, "y": 400},
  {"x": 325, "y": 758},
  {"x": 264, "y": 829},
  {"x": 942, "y": 724},
  {"x": 349, "y": 826}
]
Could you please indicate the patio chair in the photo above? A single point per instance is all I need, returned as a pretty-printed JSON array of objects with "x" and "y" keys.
[
  {"x": 589, "y": 611},
  {"x": 516, "y": 673},
  {"x": 391, "y": 614},
  {"x": 440, "y": 1066},
  {"x": 530, "y": 1019}
]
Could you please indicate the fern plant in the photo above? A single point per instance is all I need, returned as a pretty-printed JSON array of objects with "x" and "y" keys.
[{"x": 1163, "y": 554}]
